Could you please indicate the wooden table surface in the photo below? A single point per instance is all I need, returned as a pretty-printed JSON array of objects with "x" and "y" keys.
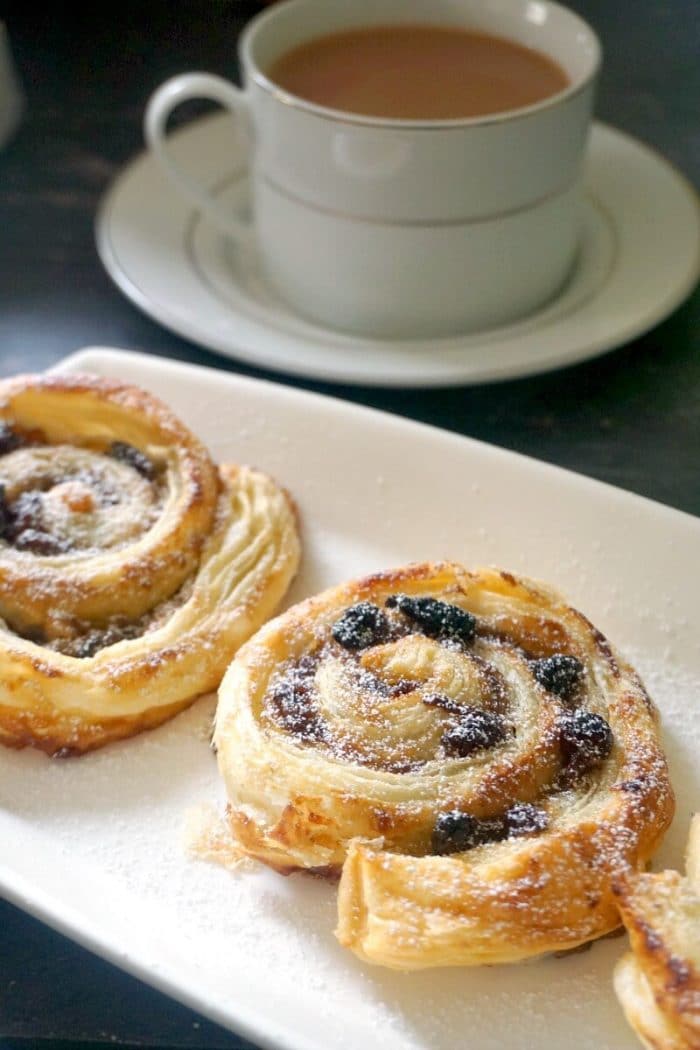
[{"x": 631, "y": 418}]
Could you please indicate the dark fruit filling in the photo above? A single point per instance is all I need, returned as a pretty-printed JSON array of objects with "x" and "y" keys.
[
  {"x": 360, "y": 626},
  {"x": 38, "y": 542},
  {"x": 5, "y": 514},
  {"x": 26, "y": 511},
  {"x": 446, "y": 703},
  {"x": 525, "y": 819},
  {"x": 456, "y": 832},
  {"x": 21, "y": 525},
  {"x": 586, "y": 739},
  {"x": 559, "y": 674},
  {"x": 9, "y": 439},
  {"x": 403, "y": 686},
  {"x": 133, "y": 457},
  {"x": 292, "y": 702},
  {"x": 89, "y": 645},
  {"x": 436, "y": 619},
  {"x": 475, "y": 730},
  {"x": 632, "y": 787},
  {"x": 96, "y": 640}
]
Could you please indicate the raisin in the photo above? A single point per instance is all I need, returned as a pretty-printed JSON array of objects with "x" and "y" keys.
[
  {"x": 360, "y": 626},
  {"x": 38, "y": 542},
  {"x": 9, "y": 439},
  {"x": 403, "y": 686},
  {"x": 437, "y": 619},
  {"x": 34, "y": 633},
  {"x": 475, "y": 730},
  {"x": 632, "y": 787},
  {"x": 88, "y": 645},
  {"x": 5, "y": 515},
  {"x": 446, "y": 703},
  {"x": 293, "y": 704},
  {"x": 586, "y": 739},
  {"x": 26, "y": 513},
  {"x": 133, "y": 457},
  {"x": 94, "y": 639},
  {"x": 525, "y": 819},
  {"x": 101, "y": 638},
  {"x": 21, "y": 524},
  {"x": 559, "y": 674},
  {"x": 456, "y": 831}
]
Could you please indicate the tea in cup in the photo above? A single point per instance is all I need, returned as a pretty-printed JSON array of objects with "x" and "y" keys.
[{"x": 415, "y": 165}]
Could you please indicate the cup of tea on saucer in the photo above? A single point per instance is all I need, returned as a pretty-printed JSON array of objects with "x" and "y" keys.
[{"x": 415, "y": 167}]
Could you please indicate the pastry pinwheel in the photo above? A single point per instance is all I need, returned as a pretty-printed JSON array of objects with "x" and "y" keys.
[
  {"x": 131, "y": 566},
  {"x": 465, "y": 749}
]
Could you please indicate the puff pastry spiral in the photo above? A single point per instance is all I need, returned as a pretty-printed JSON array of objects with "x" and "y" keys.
[
  {"x": 658, "y": 982},
  {"x": 462, "y": 746},
  {"x": 131, "y": 568}
]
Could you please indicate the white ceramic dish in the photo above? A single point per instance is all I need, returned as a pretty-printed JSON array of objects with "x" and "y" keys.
[
  {"x": 639, "y": 258},
  {"x": 93, "y": 846}
]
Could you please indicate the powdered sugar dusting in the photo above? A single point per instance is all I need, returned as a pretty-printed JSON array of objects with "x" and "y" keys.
[
  {"x": 122, "y": 812},
  {"x": 207, "y": 838},
  {"x": 676, "y": 690},
  {"x": 255, "y": 941}
]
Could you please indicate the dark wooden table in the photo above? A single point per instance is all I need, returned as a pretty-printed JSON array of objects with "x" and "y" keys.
[{"x": 631, "y": 418}]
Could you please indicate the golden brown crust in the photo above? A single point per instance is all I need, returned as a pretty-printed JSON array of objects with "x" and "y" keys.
[
  {"x": 658, "y": 982},
  {"x": 80, "y": 410},
  {"x": 176, "y": 562},
  {"x": 355, "y": 778}
]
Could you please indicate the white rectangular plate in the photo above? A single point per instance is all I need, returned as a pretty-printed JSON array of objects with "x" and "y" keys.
[{"x": 94, "y": 846}]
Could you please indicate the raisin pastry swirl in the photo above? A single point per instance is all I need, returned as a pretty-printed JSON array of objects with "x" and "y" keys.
[
  {"x": 658, "y": 981},
  {"x": 464, "y": 747},
  {"x": 131, "y": 568}
]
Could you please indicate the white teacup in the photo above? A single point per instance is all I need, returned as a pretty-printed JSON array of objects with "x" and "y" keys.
[{"x": 400, "y": 228}]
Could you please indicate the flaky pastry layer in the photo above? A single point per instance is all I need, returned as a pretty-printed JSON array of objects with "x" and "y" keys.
[
  {"x": 658, "y": 981},
  {"x": 169, "y": 562},
  {"x": 361, "y": 729}
]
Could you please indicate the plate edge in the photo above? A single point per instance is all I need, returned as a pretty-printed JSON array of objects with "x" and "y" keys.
[
  {"x": 382, "y": 380},
  {"x": 73, "y": 362}
]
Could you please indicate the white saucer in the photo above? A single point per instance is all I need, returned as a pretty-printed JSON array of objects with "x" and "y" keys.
[{"x": 639, "y": 258}]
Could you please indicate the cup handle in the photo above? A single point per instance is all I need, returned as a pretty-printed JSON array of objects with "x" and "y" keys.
[{"x": 160, "y": 105}]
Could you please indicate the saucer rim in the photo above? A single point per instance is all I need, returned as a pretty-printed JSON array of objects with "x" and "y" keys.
[{"x": 334, "y": 368}]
